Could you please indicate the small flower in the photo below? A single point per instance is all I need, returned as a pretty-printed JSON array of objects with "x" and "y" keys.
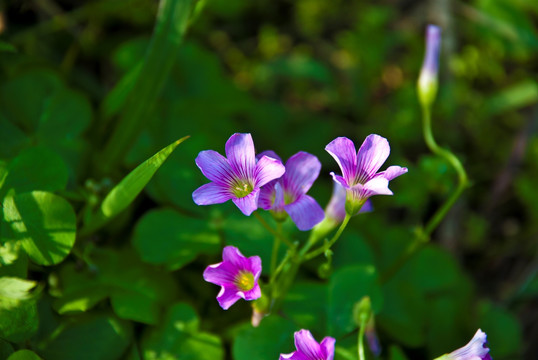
[
  {"x": 359, "y": 169},
  {"x": 239, "y": 176},
  {"x": 476, "y": 349},
  {"x": 427, "y": 81},
  {"x": 336, "y": 209},
  {"x": 237, "y": 275},
  {"x": 288, "y": 194},
  {"x": 309, "y": 349}
]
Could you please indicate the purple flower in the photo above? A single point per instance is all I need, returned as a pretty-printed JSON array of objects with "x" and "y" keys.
[
  {"x": 309, "y": 349},
  {"x": 239, "y": 176},
  {"x": 476, "y": 349},
  {"x": 237, "y": 275},
  {"x": 336, "y": 209},
  {"x": 427, "y": 81},
  {"x": 359, "y": 169},
  {"x": 288, "y": 194}
]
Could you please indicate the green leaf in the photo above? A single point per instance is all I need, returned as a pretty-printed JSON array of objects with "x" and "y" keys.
[
  {"x": 14, "y": 288},
  {"x": 24, "y": 355},
  {"x": 272, "y": 337},
  {"x": 36, "y": 168},
  {"x": 179, "y": 338},
  {"x": 44, "y": 223},
  {"x": 99, "y": 337},
  {"x": 172, "y": 21},
  {"x": 503, "y": 329},
  {"x": 126, "y": 191},
  {"x": 306, "y": 305},
  {"x": 347, "y": 286},
  {"x": 12, "y": 138},
  {"x": 403, "y": 316},
  {"x": 524, "y": 93},
  {"x": 5, "y": 349},
  {"x": 137, "y": 291},
  {"x": 18, "y": 317},
  {"x": 166, "y": 237}
]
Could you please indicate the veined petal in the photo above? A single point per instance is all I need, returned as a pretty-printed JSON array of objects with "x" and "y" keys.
[
  {"x": 241, "y": 154},
  {"x": 475, "y": 349},
  {"x": 302, "y": 169},
  {"x": 249, "y": 203},
  {"x": 305, "y": 212},
  {"x": 222, "y": 274},
  {"x": 214, "y": 166},
  {"x": 268, "y": 153},
  {"x": 327, "y": 346},
  {"x": 267, "y": 169},
  {"x": 305, "y": 343},
  {"x": 296, "y": 355},
  {"x": 211, "y": 193},
  {"x": 376, "y": 186},
  {"x": 340, "y": 180},
  {"x": 227, "y": 296},
  {"x": 392, "y": 172},
  {"x": 231, "y": 255},
  {"x": 267, "y": 195},
  {"x": 343, "y": 151},
  {"x": 373, "y": 152}
]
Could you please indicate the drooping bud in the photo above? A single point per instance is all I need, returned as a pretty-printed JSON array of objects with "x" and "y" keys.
[{"x": 427, "y": 81}]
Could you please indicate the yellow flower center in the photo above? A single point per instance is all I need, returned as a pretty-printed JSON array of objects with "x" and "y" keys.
[
  {"x": 244, "y": 280},
  {"x": 242, "y": 189}
]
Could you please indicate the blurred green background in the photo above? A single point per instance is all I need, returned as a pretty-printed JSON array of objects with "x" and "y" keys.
[{"x": 295, "y": 74}]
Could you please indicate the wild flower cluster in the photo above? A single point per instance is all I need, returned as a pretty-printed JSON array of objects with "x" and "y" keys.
[{"x": 262, "y": 181}]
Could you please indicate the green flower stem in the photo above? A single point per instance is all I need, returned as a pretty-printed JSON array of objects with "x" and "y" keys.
[
  {"x": 276, "y": 246},
  {"x": 360, "y": 347},
  {"x": 307, "y": 256},
  {"x": 273, "y": 231},
  {"x": 423, "y": 235},
  {"x": 463, "y": 181}
]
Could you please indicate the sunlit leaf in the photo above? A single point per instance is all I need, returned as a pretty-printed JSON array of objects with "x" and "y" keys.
[
  {"x": 126, "y": 191},
  {"x": 24, "y": 355},
  {"x": 44, "y": 223}
]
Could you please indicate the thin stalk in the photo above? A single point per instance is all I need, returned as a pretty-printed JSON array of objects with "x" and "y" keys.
[
  {"x": 276, "y": 246},
  {"x": 360, "y": 347},
  {"x": 273, "y": 231},
  {"x": 327, "y": 245},
  {"x": 423, "y": 235}
]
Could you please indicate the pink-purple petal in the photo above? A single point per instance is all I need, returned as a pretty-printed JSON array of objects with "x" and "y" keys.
[
  {"x": 227, "y": 297},
  {"x": 212, "y": 193},
  {"x": 343, "y": 151},
  {"x": 393, "y": 172},
  {"x": 340, "y": 180},
  {"x": 302, "y": 169},
  {"x": 249, "y": 203},
  {"x": 327, "y": 346},
  {"x": 306, "y": 344},
  {"x": 241, "y": 154},
  {"x": 252, "y": 294},
  {"x": 220, "y": 274},
  {"x": 267, "y": 195},
  {"x": 373, "y": 152},
  {"x": 214, "y": 166},
  {"x": 268, "y": 153},
  {"x": 296, "y": 355},
  {"x": 305, "y": 212},
  {"x": 268, "y": 169},
  {"x": 376, "y": 186}
]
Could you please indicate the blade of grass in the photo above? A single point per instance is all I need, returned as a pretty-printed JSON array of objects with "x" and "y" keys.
[{"x": 172, "y": 21}]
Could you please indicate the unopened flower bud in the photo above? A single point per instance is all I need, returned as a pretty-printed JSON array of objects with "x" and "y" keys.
[{"x": 427, "y": 81}]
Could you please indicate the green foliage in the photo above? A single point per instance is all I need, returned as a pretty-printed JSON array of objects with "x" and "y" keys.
[
  {"x": 168, "y": 238},
  {"x": 24, "y": 355},
  {"x": 179, "y": 337},
  {"x": 273, "y": 336},
  {"x": 43, "y": 223}
]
